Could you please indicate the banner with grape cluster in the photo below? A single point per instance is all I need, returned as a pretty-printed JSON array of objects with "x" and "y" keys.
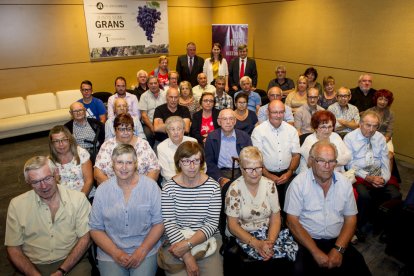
[{"x": 126, "y": 28}]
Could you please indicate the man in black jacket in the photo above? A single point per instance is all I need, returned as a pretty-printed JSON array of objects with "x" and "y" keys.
[
  {"x": 89, "y": 133},
  {"x": 190, "y": 65}
]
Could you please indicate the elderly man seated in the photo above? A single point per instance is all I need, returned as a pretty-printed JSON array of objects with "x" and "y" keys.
[
  {"x": 89, "y": 133},
  {"x": 372, "y": 169},
  {"x": 121, "y": 107},
  {"x": 347, "y": 115},
  {"x": 321, "y": 214},
  {"x": 47, "y": 230},
  {"x": 275, "y": 93},
  {"x": 254, "y": 101},
  {"x": 202, "y": 87},
  {"x": 304, "y": 113},
  {"x": 174, "y": 126}
]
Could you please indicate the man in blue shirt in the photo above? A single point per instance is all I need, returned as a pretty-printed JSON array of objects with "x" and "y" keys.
[
  {"x": 372, "y": 169},
  {"x": 95, "y": 108},
  {"x": 222, "y": 144},
  {"x": 254, "y": 98}
]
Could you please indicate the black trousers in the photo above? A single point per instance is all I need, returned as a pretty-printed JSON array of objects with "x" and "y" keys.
[{"x": 353, "y": 262}]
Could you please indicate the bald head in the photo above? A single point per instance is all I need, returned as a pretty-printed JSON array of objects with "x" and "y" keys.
[
  {"x": 276, "y": 112},
  {"x": 274, "y": 93},
  {"x": 120, "y": 106},
  {"x": 77, "y": 111},
  {"x": 227, "y": 120}
]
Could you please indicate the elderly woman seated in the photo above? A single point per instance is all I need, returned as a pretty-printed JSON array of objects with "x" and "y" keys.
[
  {"x": 175, "y": 126},
  {"x": 124, "y": 129},
  {"x": 191, "y": 203},
  {"x": 126, "y": 221},
  {"x": 323, "y": 122},
  {"x": 121, "y": 107},
  {"x": 253, "y": 212}
]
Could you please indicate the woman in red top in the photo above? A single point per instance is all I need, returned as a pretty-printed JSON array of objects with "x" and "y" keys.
[
  {"x": 205, "y": 120},
  {"x": 161, "y": 72}
]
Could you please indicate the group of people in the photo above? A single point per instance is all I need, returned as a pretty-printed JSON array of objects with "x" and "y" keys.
[{"x": 315, "y": 159}]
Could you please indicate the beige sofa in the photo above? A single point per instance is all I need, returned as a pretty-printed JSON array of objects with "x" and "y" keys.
[{"x": 36, "y": 113}]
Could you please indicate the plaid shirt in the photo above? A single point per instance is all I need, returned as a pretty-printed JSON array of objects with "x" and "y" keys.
[{"x": 224, "y": 102}]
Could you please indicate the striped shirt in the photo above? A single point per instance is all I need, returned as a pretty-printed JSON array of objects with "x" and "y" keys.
[{"x": 197, "y": 208}]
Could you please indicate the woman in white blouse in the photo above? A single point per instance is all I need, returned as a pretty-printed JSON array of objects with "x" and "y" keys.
[
  {"x": 216, "y": 66},
  {"x": 323, "y": 122}
]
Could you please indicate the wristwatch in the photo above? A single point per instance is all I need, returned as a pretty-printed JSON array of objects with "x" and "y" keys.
[
  {"x": 340, "y": 249},
  {"x": 63, "y": 271},
  {"x": 190, "y": 245}
]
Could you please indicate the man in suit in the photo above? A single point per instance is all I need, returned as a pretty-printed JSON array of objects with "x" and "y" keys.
[
  {"x": 236, "y": 68},
  {"x": 189, "y": 65}
]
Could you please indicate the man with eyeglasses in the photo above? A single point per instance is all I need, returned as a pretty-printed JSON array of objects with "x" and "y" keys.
[
  {"x": 275, "y": 93},
  {"x": 171, "y": 108},
  {"x": 221, "y": 145},
  {"x": 347, "y": 115},
  {"x": 89, "y": 133},
  {"x": 95, "y": 108},
  {"x": 285, "y": 84},
  {"x": 47, "y": 230},
  {"x": 279, "y": 143},
  {"x": 304, "y": 113},
  {"x": 370, "y": 161},
  {"x": 120, "y": 92},
  {"x": 321, "y": 214}
]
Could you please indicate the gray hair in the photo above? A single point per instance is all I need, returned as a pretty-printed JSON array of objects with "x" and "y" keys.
[
  {"x": 142, "y": 72},
  {"x": 370, "y": 113},
  {"x": 322, "y": 143},
  {"x": 281, "y": 67},
  {"x": 172, "y": 120},
  {"x": 124, "y": 149},
  {"x": 245, "y": 78},
  {"x": 36, "y": 163}
]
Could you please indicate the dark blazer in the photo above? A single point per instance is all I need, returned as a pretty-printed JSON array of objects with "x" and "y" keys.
[
  {"x": 196, "y": 124},
  {"x": 98, "y": 128},
  {"x": 249, "y": 70},
  {"x": 361, "y": 101},
  {"x": 212, "y": 149},
  {"x": 184, "y": 71}
]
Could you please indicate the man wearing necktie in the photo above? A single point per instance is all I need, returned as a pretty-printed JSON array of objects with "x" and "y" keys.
[
  {"x": 189, "y": 65},
  {"x": 240, "y": 67},
  {"x": 370, "y": 161}
]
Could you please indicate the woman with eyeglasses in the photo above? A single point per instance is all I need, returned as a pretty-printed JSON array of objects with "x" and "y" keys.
[
  {"x": 253, "y": 211},
  {"x": 205, "y": 120},
  {"x": 323, "y": 122},
  {"x": 124, "y": 134},
  {"x": 72, "y": 161},
  {"x": 126, "y": 221},
  {"x": 246, "y": 119},
  {"x": 191, "y": 200}
]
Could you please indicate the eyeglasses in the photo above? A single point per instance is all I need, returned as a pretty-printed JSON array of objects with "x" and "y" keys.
[
  {"x": 78, "y": 111},
  {"x": 251, "y": 170},
  {"x": 325, "y": 127},
  {"x": 322, "y": 162},
  {"x": 370, "y": 126},
  {"x": 187, "y": 162},
  {"x": 86, "y": 89},
  {"x": 60, "y": 141},
  {"x": 275, "y": 96},
  {"x": 208, "y": 101},
  {"x": 227, "y": 119},
  {"x": 343, "y": 96},
  {"x": 125, "y": 129},
  {"x": 48, "y": 180},
  {"x": 313, "y": 97},
  {"x": 276, "y": 112}
]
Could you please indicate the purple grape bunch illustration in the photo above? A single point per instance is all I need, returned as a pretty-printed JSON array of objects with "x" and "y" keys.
[{"x": 147, "y": 17}]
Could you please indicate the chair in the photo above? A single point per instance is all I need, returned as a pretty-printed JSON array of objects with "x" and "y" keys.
[{"x": 103, "y": 96}]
